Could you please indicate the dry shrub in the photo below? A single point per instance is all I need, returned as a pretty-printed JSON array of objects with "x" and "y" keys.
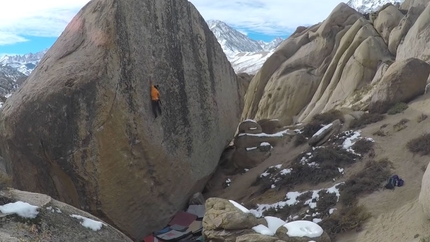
[
  {"x": 344, "y": 220},
  {"x": 397, "y": 108},
  {"x": 363, "y": 146},
  {"x": 366, "y": 181},
  {"x": 421, "y": 118},
  {"x": 401, "y": 125},
  {"x": 420, "y": 145},
  {"x": 380, "y": 133},
  {"x": 365, "y": 119},
  {"x": 299, "y": 140}
]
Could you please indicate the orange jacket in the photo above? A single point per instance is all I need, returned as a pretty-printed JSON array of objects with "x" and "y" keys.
[{"x": 155, "y": 95}]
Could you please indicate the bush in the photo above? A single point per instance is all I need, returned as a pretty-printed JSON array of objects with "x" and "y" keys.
[
  {"x": 401, "y": 125},
  {"x": 420, "y": 145},
  {"x": 299, "y": 140},
  {"x": 325, "y": 160},
  {"x": 327, "y": 200},
  {"x": 318, "y": 120},
  {"x": 363, "y": 146},
  {"x": 344, "y": 220},
  {"x": 366, "y": 181},
  {"x": 365, "y": 119},
  {"x": 380, "y": 133},
  {"x": 397, "y": 108},
  {"x": 285, "y": 212},
  {"x": 421, "y": 118}
]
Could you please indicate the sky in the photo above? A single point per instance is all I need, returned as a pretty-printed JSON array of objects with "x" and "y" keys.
[{"x": 31, "y": 26}]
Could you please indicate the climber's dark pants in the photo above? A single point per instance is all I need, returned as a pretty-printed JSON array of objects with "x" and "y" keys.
[{"x": 155, "y": 107}]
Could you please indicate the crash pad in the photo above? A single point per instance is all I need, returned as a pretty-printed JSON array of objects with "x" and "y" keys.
[
  {"x": 179, "y": 228},
  {"x": 195, "y": 227},
  {"x": 151, "y": 238},
  {"x": 183, "y": 219},
  {"x": 173, "y": 235},
  {"x": 198, "y": 210}
]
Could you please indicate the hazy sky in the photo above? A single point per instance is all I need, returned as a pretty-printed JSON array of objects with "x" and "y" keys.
[{"x": 33, "y": 25}]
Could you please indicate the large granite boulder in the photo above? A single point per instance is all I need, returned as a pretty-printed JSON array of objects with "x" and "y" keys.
[
  {"x": 81, "y": 127},
  {"x": 403, "y": 81}
]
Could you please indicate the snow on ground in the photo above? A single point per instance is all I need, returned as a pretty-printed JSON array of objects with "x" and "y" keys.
[
  {"x": 22, "y": 209},
  {"x": 303, "y": 228},
  {"x": 249, "y": 62},
  {"x": 351, "y": 138},
  {"x": 273, "y": 223},
  {"x": 291, "y": 199},
  {"x": 88, "y": 223},
  {"x": 322, "y": 129},
  {"x": 261, "y": 229},
  {"x": 228, "y": 182},
  {"x": 52, "y": 209},
  {"x": 251, "y": 148}
]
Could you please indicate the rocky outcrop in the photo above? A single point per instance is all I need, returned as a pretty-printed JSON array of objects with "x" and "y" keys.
[
  {"x": 226, "y": 220},
  {"x": 55, "y": 221},
  {"x": 81, "y": 127},
  {"x": 403, "y": 81},
  {"x": 320, "y": 137},
  {"x": 313, "y": 72}
]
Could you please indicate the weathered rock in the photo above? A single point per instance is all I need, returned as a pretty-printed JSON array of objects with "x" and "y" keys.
[
  {"x": 249, "y": 127},
  {"x": 270, "y": 126},
  {"x": 243, "y": 80},
  {"x": 325, "y": 133},
  {"x": 424, "y": 197},
  {"x": 281, "y": 233},
  {"x": 290, "y": 77},
  {"x": 245, "y": 140},
  {"x": 53, "y": 222},
  {"x": 256, "y": 238},
  {"x": 197, "y": 199},
  {"x": 81, "y": 128},
  {"x": 250, "y": 157},
  {"x": 387, "y": 20},
  {"x": 221, "y": 214},
  {"x": 403, "y": 81},
  {"x": 224, "y": 235},
  {"x": 415, "y": 43}
]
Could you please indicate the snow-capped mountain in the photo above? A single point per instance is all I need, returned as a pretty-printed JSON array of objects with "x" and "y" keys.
[
  {"x": 367, "y": 6},
  {"x": 10, "y": 79},
  {"x": 23, "y": 63},
  {"x": 245, "y": 54},
  {"x": 231, "y": 40}
]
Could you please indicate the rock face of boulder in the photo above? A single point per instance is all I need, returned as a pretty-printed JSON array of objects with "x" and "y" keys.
[
  {"x": 81, "y": 128},
  {"x": 55, "y": 221},
  {"x": 314, "y": 72},
  {"x": 403, "y": 81}
]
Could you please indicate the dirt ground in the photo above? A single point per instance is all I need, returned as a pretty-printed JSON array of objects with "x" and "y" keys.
[{"x": 396, "y": 214}]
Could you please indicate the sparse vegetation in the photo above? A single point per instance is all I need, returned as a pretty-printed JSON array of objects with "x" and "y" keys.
[
  {"x": 421, "y": 118},
  {"x": 346, "y": 219},
  {"x": 366, "y": 181},
  {"x": 285, "y": 212},
  {"x": 318, "y": 120},
  {"x": 380, "y": 132},
  {"x": 299, "y": 140},
  {"x": 5, "y": 180},
  {"x": 401, "y": 125},
  {"x": 420, "y": 145},
  {"x": 363, "y": 146},
  {"x": 365, "y": 119},
  {"x": 425, "y": 239},
  {"x": 397, "y": 108}
]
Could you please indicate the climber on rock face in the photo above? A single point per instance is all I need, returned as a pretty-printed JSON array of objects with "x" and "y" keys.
[{"x": 155, "y": 99}]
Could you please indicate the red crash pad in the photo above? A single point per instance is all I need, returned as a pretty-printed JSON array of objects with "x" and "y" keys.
[{"x": 183, "y": 219}]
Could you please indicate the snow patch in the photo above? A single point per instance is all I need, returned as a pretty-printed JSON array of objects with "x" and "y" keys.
[
  {"x": 261, "y": 229},
  {"x": 88, "y": 223},
  {"x": 303, "y": 228},
  {"x": 22, "y": 209},
  {"x": 322, "y": 129},
  {"x": 240, "y": 207}
]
